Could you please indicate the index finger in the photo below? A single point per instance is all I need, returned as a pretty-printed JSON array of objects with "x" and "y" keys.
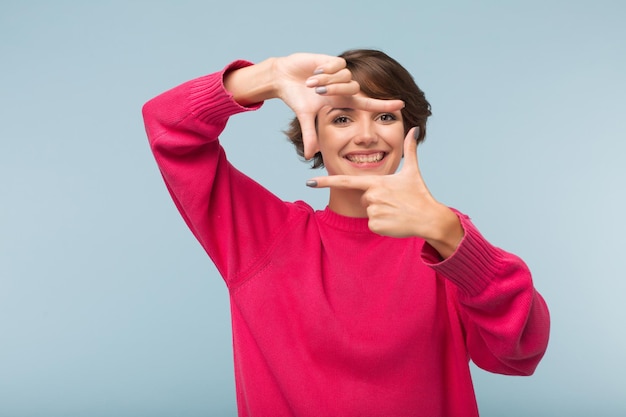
[{"x": 343, "y": 181}]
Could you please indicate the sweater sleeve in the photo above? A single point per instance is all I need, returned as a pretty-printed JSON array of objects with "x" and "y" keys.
[
  {"x": 506, "y": 320},
  {"x": 218, "y": 203}
]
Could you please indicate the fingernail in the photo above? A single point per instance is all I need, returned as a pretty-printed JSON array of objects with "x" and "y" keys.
[
  {"x": 321, "y": 90},
  {"x": 416, "y": 133},
  {"x": 311, "y": 183},
  {"x": 318, "y": 71}
]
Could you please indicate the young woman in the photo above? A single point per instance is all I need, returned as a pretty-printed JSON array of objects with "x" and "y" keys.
[{"x": 374, "y": 305}]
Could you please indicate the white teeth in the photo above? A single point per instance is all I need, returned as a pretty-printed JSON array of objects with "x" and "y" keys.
[{"x": 363, "y": 159}]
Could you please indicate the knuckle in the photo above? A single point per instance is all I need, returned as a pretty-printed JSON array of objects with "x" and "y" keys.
[
  {"x": 354, "y": 87},
  {"x": 372, "y": 195},
  {"x": 375, "y": 226},
  {"x": 344, "y": 75},
  {"x": 372, "y": 213}
]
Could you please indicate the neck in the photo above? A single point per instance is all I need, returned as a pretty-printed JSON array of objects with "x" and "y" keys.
[{"x": 347, "y": 202}]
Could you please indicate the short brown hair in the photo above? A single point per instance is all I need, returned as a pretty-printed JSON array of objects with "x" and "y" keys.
[{"x": 381, "y": 77}]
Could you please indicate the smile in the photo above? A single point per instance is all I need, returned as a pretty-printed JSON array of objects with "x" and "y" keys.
[{"x": 366, "y": 159}]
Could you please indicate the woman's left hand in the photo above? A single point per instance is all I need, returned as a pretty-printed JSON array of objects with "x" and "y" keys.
[{"x": 400, "y": 205}]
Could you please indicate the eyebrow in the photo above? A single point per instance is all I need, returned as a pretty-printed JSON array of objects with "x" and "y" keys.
[{"x": 343, "y": 109}]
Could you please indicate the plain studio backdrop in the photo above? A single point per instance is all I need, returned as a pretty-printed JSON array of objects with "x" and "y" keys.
[{"x": 109, "y": 307}]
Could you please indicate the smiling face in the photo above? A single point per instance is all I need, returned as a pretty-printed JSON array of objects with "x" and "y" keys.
[
  {"x": 358, "y": 142},
  {"x": 380, "y": 77}
]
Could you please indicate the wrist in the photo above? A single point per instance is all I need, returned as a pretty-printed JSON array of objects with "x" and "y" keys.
[{"x": 448, "y": 233}]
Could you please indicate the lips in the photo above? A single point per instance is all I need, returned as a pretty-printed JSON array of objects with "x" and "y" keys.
[{"x": 366, "y": 158}]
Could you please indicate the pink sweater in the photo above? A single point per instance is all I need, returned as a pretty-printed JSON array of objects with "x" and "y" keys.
[{"x": 330, "y": 319}]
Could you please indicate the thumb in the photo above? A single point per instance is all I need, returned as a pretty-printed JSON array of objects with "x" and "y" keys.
[
  {"x": 309, "y": 135},
  {"x": 410, "y": 150}
]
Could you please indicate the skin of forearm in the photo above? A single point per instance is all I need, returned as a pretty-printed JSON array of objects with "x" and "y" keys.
[{"x": 252, "y": 84}]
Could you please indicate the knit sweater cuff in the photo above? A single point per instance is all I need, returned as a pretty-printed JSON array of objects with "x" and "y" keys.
[
  {"x": 209, "y": 99},
  {"x": 473, "y": 265}
]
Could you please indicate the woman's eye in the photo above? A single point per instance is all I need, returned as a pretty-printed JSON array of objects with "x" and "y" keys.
[
  {"x": 340, "y": 120},
  {"x": 387, "y": 117}
]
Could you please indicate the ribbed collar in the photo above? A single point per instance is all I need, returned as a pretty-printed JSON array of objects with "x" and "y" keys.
[{"x": 348, "y": 224}]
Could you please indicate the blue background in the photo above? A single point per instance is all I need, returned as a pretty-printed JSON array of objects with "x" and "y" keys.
[{"x": 108, "y": 306}]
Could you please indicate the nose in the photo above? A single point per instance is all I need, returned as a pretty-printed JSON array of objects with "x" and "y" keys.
[{"x": 366, "y": 133}]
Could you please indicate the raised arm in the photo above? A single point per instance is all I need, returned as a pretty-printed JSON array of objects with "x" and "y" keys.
[{"x": 183, "y": 125}]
